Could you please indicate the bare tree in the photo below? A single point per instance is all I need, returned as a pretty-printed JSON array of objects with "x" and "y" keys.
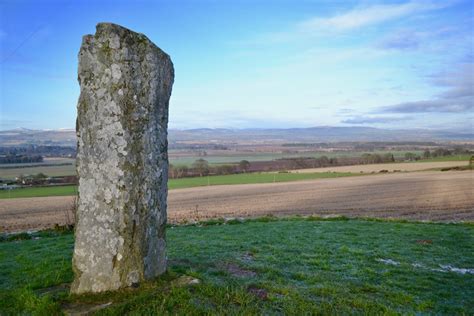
[
  {"x": 201, "y": 166},
  {"x": 244, "y": 165},
  {"x": 70, "y": 214}
]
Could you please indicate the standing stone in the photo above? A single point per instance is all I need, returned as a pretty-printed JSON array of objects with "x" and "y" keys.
[{"x": 122, "y": 160}]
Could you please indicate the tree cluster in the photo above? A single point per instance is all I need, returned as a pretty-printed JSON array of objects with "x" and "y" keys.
[
  {"x": 201, "y": 168},
  {"x": 443, "y": 152},
  {"x": 20, "y": 158},
  {"x": 41, "y": 150},
  {"x": 376, "y": 158}
]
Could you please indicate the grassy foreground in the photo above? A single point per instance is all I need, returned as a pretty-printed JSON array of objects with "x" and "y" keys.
[
  {"x": 293, "y": 266},
  {"x": 246, "y": 178}
]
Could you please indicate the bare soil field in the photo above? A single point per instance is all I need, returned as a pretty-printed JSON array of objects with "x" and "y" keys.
[
  {"x": 429, "y": 195},
  {"x": 391, "y": 167}
]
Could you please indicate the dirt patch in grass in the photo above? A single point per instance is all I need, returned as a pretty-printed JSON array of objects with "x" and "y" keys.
[
  {"x": 54, "y": 290},
  {"x": 424, "y": 241},
  {"x": 239, "y": 272},
  {"x": 258, "y": 292}
]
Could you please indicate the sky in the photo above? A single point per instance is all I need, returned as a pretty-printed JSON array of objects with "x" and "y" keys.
[{"x": 256, "y": 63}]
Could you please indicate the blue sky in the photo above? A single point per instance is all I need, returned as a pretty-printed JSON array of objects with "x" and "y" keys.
[{"x": 241, "y": 64}]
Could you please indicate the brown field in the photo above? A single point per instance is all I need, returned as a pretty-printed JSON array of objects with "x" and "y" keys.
[
  {"x": 403, "y": 166},
  {"x": 429, "y": 195}
]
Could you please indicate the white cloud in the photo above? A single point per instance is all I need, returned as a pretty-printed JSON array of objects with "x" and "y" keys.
[
  {"x": 370, "y": 15},
  {"x": 345, "y": 21}
]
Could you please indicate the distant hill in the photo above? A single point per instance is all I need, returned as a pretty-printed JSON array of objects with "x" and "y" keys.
[
  {"x": 67, "y": 137},
  {"x": 23, "y": 136}
]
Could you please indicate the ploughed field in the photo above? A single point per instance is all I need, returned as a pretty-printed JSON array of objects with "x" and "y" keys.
[{"x": 428, "y": 195}]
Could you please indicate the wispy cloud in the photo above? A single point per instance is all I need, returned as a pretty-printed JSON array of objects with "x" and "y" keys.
[
  {"x": 348, "y": 20},
  {"x": 411, "y": 39},
  {"x": 457, "y": 98},
  {"x": 370, "y": 15},
  {"x": 345, "y": 111},
  {"x": 403, "y": 40},
  {"x": 362, "y": 120},
  {"x": 437, "y": 105},
  {"x": 460, "y": 77}
]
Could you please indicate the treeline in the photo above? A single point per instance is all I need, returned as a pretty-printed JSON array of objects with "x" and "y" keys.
[
  {"x": 367, "y": 158},
  {"x": 39, "y": 179},
  {"x": 443, "y": 152},
  {"x": 4, "y": 159},
  {"x": 201, "y": 168},
  {"x": 371, "y": 146},
  {"x": 365, "y": 146},
  {"x": 317, "y": 145},
  {"x": 322, "y": 162},
  {"x": 35, "y": 150},
  {"x": 438, "y": 152},
  {"x": 198, "y": 146},
  {"x": 376, "y": 158}
]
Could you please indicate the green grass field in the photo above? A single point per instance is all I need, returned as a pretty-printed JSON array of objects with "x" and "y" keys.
[
  {"x": 251, "y": 178},
  {"x": 448, "y": 158},
  {"x": 52, "y": 171},
  {"x": 61, "y": 190},
  {"x": 293, "y": 266},
  {"x": 186, "y": 183}
]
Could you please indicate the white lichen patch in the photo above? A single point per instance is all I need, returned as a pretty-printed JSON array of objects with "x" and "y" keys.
[
  {"x": 114, "y": 41},
  {"x": 389, "y": 261},
  {"x": 116, "y": 73}
]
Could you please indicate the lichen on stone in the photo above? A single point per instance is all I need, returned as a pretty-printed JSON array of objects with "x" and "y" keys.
[{"x": 122, "y": 160}]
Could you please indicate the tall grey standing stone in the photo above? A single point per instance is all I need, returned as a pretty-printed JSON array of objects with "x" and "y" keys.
[{"x": 122, "y": 160}]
